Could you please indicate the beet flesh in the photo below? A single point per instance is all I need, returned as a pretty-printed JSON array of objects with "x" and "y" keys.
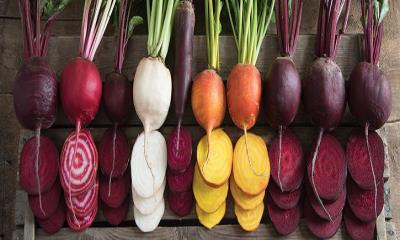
[
  {"x": 55, "y": 222},
  {"x": 324, "y": 93},
  {"x": 50, "y": 201},
  {"x": 284, "y": 221},
  {"x": 117, "y": 97},
  {"x": 47, "y": 165},
  {"x": 181, "y": 203},
  {"x": 292, "y": 163},
  {"x": 330, "y": 168},
  {"x": 106, "y": 153},
  {"x": 80, "y": 90},
  {"x": 85, "y": 202},
  {"x": 35, "y": 94},
  {"x": 282, "y": 92},
  {"x": 119, "y": 189},
  {"x": 284, "y": 200},
  {"x": 179, "y": 153},
  {"x": 181, "y": 182},
  {"x": 358, "y": 230},
  {"x": 358, "y": 162},
  {"x": 81, "y": 223},
  {"x": 319, "y": 227},
  {"x": 370, "y": 98},
  {"x": 115, "y": 216}
]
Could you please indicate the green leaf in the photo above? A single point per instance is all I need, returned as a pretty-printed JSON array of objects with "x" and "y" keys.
[
  {"x": 52, "y": 7},
  {"x": 133, "y": 22}
]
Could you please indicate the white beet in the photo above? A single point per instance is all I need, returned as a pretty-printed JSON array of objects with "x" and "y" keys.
[
  {"x": 148, "y": 166},
  {"x": 148, "y": 205},
  {"x": 147, "y": 223}
]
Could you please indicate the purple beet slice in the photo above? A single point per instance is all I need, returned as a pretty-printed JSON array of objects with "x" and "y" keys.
[
  {"x": 284, "y": 221},
  {"x": 320, "y": 227},
  {"x": 358, "y": 161},
  {"x": 181, "y": 182},
  {"x": 284, "y": 200},
  {"x": 50, "y": 201},
  {"x": 180, "y": 203},
  {"x": 115, "y": 216},
  {"x": 179, "y": 149},
  {"x": 114, "y": 195},
  {"x": 291, "y": 171},
  {"x": 358, "y": 230},
  {"x": 55, "y": 222}
]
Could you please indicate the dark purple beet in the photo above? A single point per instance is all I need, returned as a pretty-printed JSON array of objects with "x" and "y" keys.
[
  {"x": 282, "y": 92},
  {"x": 324, "y": 93},
  {"x": 117, "y": 97},
  {"x": 49, "y": 202},
  {"x": 370, "y": 98},
  {"x": 180, "y": 182},
  {"x": 120, "y": 188},
  {"x": 284, "y": 221},
  {"x": 284, "y": 200},
  {"x": 319, "y": 227},
  {"x": 35, "y": 94},
  {"x": 180, "y": 203},
  {"x": 115, "y": 216},
  {"x": 179, "y": 149},
  {"x": 357, "y": 229},
  {"x": 55, "y": 222}
]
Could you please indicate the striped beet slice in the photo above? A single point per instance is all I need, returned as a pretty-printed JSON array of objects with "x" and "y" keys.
[
  {"x": 79, "y": 224},
  {"x": 84, "y": 203}
]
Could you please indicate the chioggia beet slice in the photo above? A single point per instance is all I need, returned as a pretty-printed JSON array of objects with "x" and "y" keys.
[
  {"x": 49, "y": 202},
  {"x": 357, "y": 229},
  {"x": 284, "y": 200},
  {"x": 180, "y": 203},
  {"x": 80, "y": 224},
  {"x": 115, "y": 216},
  {"x": 284, "y": 221},
  {"x": 319, "y": 227},
  {"x": 148, "y": 223},
  {"x": 84, "y": 203},
  {"x": 55, "y": 222},
  {"x": 115, "y": 193}
]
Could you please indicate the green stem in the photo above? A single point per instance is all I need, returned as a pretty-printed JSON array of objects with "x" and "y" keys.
[{"x": 213, "y": 29}]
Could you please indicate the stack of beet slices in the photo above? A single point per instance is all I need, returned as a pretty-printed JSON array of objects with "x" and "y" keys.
[
  {"x": 285, "y": 189},
  {"x": 180, "y": 172},
  {"x": 364, "y": 194}
]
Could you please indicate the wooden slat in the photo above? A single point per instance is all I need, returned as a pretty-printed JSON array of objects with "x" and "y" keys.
[{"x": 29, "y": 226}]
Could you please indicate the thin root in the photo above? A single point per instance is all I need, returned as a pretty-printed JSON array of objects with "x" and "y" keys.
[
  {"x": 113, "y": 158},
  {"x": 372, "y": 167},
  {"x": 208, "y": 151},
  {"x": 263, "y": 173},
  {"x": 37, "y": 159},
  {"x": 280, "y": 157},
  {"x": 147, "y": 160}
]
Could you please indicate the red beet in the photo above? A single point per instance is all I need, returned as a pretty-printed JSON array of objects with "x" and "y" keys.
[
  {"x": 284, "y": 200},
  {"x": 81, "y": 223},
  {"x": 85, "y": 202},
  {"x": 284, "y": 221},
  {"x": 46, "y": 206},
  {"x": 358, "y": 161},
  {"x": 181, "y": 182},
  {"x": 115, "y": 193},
  {"x": 363, "y": 202},
  {"x": 115, "y": 216},
  {"x": 179, "y": 146},
  {"x": 319, "y": 227},
  {"x": 288, "y": 169},
  {"x": 114, "y": 153},
  {"x": 180, "y": 203},
  {"x": 55, "y": 222},
  {"x": 357, "y": 229}
]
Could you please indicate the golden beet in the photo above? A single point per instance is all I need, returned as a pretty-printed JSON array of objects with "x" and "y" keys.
[
  {"x": 249, "y": 220},
  {"x": 244, "y": 200},
  {"x": 209, "y": 220}
]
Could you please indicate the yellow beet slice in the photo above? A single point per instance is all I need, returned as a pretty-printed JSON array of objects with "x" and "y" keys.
[
  {"x": 208, "y": 198},
  {"x": 249, "y": 220},
  {"x": 242, "y": 199},
  {"x": 209, "y": 220},
  {"x": 217, "y": 169},
  {"x": 251, "y": 168}
]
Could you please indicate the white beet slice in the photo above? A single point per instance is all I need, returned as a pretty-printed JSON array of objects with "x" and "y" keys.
[
  {"x": 148, "y": 166},
  {"x": 147, "y": 223},
  {"x": 148, "y": 205}
]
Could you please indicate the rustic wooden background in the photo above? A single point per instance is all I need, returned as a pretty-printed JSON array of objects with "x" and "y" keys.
[{"x": 64, "y": 45}]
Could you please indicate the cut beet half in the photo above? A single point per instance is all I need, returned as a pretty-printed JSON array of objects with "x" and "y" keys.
[
  {"x": 115, "y": 216},
  {"x": 362, "y": 202},
  {"x": 284, "y": 200},
  {"x": 84, "y": 203},
  {"x": 55, "y": 222},
  {"x": 284, "y": 221},
  {"x": 319, "y": 227},
  {"x": 80, "y": 224},
  {"x": 49, "y": 202},
  {"x": 114, "y": 193},
  {"x": 287, "y": 163},
  {"x": 358, "y": 159},
  {"x": 180, "y": 203},
  {"x": 179, "y": 149},
  {"x": 330, "y": 168},
  {"x": 358, "y": 230},
  {"x": 181, "y": 182}
]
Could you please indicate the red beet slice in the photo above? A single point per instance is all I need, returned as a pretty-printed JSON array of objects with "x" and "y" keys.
[
  {"x": 180, "y": 203},
  {"x": 114, "y": 195},
  {"x": 358, "y": 230},
  {"x": 179, "y": 148},
  {"x": 50, "y": 201},
  {"x": 319, "y": 227},
  {"x": 284, "y": 221},
  {"x": 83, "y": 168},
  {"x": 32, "y": 181},
  {"x": 181, "y": 182},
  {"x": 284, "y": 200},
  {"x": 362, "y": 202},
  {"x": 291, "y": 161},
  {"x": 330, "y": 167},
  {"x": 85, "y": 202},
  {"x": 117, "y": 149},
  {"x": 115, "y": 216},
  {"x": 55, "y": 222},
  {"x": 358, "y": 161},
  {"x": 81, "y": 223}
]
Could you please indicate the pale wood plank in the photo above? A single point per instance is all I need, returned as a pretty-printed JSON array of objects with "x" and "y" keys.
[
  {"x": 391, "y": 231},
  {"x": 381, "y": 227},
  {"x": 29, "y": 225}
]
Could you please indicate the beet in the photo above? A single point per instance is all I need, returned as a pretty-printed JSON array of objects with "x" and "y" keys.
[
  {"x": 179, "y": 146},
  {"x": 284, "y": 200},
  {"x": 370, "y": 98},
  {"x": 181, "y": 182},
  {"x": 358, "y": 161},
  {"x": 114, "y": 195},
  {"x": 49, "y": 202},
  {"x": 85, "y": 202},
  {"x": 180, "y": 203},
  {"x": 35, "y": 94},
  {"x": 121, "y": 155},
  {"x": 38, "y": 180},
  {"x": 362, "y": 202},
  {"x": 357, "y": 229},
  {"x": 291, "y": 173},
  {"x": 55, "y": 222},
  {"x": 319, "y": 227},
  {"x": 115, "y": 216},
  {"x": 81, "y": 223},
  {"x": 284, "y": 221}
]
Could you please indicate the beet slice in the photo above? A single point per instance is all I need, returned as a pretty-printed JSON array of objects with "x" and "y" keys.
[
  {"x": 319, "y": 227},
  {"x": 115, "y": 216},
  {"x": 40, "y": 181},
  {"x": 117, "y": 149},
  {"x": 55, "y": 222},
  {"x": 330, "y": 167},
  {"x": 49, "y": 202},
  {"x": 114, "y": 195},
  {"x": 181, "y": 203},
  {"x": 291, "y": 171},
  {"x": 84, "y": 203},
  {"x": 358, "y": 230},
  {"x": 362, "y": 202},
  {"x": 284, "y": 200},
  {"x": 358, "y": 161},
  {"x": 181, "y": 182},
  {"x": 81, "y": 223},
  {"x": 179, "y": 149},
  {"x": 284, "y": 221}
]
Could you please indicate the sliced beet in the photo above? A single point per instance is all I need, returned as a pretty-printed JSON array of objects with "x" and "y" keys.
[
  {"x": 358, "y": 230},
  {"x": 358, "y": 161},
  {"x": 320, "y": 227},
  {"x": 181, "y": 182},
  {"x": 181, "y": 203},
  {"x": 284, "y": 200},
  {"x": 115, "y": 216},
  {"x": 55, "y": 222},
  {"x": 330, "y": 167},
  {"x": 120, "y": 153},
  {"x": 81, "y": 223},
  {"x": 114, "y": 195},
  {"x": 84, "y": 203},
  {"x": 50, "y": 201},
  {"x": 362, "y": 202},
  {"x": 284, "y": 221},
  {"x": 179, "y": 149}
]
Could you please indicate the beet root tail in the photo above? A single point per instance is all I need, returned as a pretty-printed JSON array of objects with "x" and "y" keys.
[
  {"x": 208, "y": 150},
  {"x": 113, "y": 158},
  {"x": 280, "y": 157},
  {"x": 78, "y": 130},
  {"x": 37, "y": 158},
  {"x": 366, "y": 129},
  {"x": 248, "y": 156},
  {"x": 146, "y": 132}
]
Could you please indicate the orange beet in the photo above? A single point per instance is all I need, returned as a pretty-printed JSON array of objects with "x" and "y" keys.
[{"x": 244, "y": 94}]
